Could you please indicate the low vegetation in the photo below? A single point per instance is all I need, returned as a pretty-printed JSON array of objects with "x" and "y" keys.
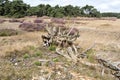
[
  {"x": 8, "y": 32},
  {"x": 26, "y": 56},
  {"x": 52, "y": 48},
  {"x": 55, "y": 60},
  {"x": 58, "y": 20},
  {"x": 2, "y": 21},
  {"x": 16, "y": 20},
  {"x": 32, "y": 26},
  {"x": 38, "y": 53},
  {"x": 38, "y": 63},
  {"x": 105, "y": 25},
  {"x": 38, "y": 21}
]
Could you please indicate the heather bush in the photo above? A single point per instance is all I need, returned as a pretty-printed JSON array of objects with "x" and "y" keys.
[
  {"x": 16, "y": 20},
  {"x": 61, "y": 25},
  {"x": 58, "y": 20},
  {"x": 38, "y": 21},
  {"x": 74, "y": 30},
  {"x": 2, "y": 20},
  {"x": 32, "y": 26}
]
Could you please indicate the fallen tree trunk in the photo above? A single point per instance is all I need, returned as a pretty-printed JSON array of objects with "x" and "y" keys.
[{"x": 113, "y": 66}]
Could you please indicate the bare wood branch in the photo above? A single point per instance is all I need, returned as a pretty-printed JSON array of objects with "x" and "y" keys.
[
  {"x": 89, "y": 48},
  {"x": 83, "y": 54},
  {"x": 70, "y": 31},
  {"x": 112, "y": 66},
  {"x": 75, "y": 49},
  {"x": 63, "y": 53},
  {"x": 72, "y": 55},
  {"x": 88, "y": 63},
  {"x": 64, "y": 39},
  {"x": 48, "y": 29}
]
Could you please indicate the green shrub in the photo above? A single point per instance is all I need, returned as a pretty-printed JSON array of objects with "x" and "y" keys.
[
  {"x": 55, "y": 60},
  {"x": 26, "y": 56},
  {"x": 38, "y": 53},
  {"x": 38, "y": 63},
  {"x": 52, "y": 48}
]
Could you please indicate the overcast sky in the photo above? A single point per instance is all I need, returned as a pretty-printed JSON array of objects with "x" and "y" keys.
[{"x": 101, "y": 5}]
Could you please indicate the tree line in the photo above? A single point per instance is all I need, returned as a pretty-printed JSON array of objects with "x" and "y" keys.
[
  {"x": 111, "y": 14},
  {"x": 18, "y": 9}
]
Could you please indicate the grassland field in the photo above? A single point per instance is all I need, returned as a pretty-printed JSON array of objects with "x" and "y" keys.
[{"x": 20, "y": 54}]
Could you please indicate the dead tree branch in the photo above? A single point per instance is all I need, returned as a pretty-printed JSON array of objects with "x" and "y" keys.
[
  {"x": 63, "y": 38},
  {"x": 114, "y": 66}
]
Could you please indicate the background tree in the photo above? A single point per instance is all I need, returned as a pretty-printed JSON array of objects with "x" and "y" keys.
[
  {"x": 69, "y": 10},
  {"x": 17, "y": 8},
  {"x": 57, "y": 11},
  {"x": 32, "y": 11},
  {"x": 4, "y": 7},
  {"x": 95, "y": 13},
  {"x": 7, "y": 5},
  {"x": 89, "y": 11},
  {"x": 111, "y": 14}
]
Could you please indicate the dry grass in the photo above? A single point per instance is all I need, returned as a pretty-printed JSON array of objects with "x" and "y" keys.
[
  {"x": 19, "y": 42},
  {"x": 105, "y": 25},
  {"x": 106, "y": 35}
]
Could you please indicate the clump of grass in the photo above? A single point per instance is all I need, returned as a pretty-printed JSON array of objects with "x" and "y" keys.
[
  {"x": 38, "y": 53},
  {"x": 90, "y": 51},
  {"x": 38, "y": 63},
  {"x": 15, "y": 53},
  {"x": 26, "y": 56},
  {"x": 55, "y": 60},
  {"x": 105, "y": 24},
  {"x": 52, "y": 48},
  {"x": 32, "y": 48},
  {"x": 8, "y": 32},
  {"x": 91, "y": 55}
]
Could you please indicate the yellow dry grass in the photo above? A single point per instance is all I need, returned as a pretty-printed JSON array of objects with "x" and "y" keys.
[
  {"x": 19, "y": 42},
  {"x": 104, "y": 33}
]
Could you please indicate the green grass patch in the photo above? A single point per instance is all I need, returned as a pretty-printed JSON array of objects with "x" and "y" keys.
[
  {"x": 55, "y": 60},
  {"x": 52, "y": 48},
  {"x": 38, "y": 63},
  {"x": 26, "y": 56},
  {"x": 38, "y": 54}
]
